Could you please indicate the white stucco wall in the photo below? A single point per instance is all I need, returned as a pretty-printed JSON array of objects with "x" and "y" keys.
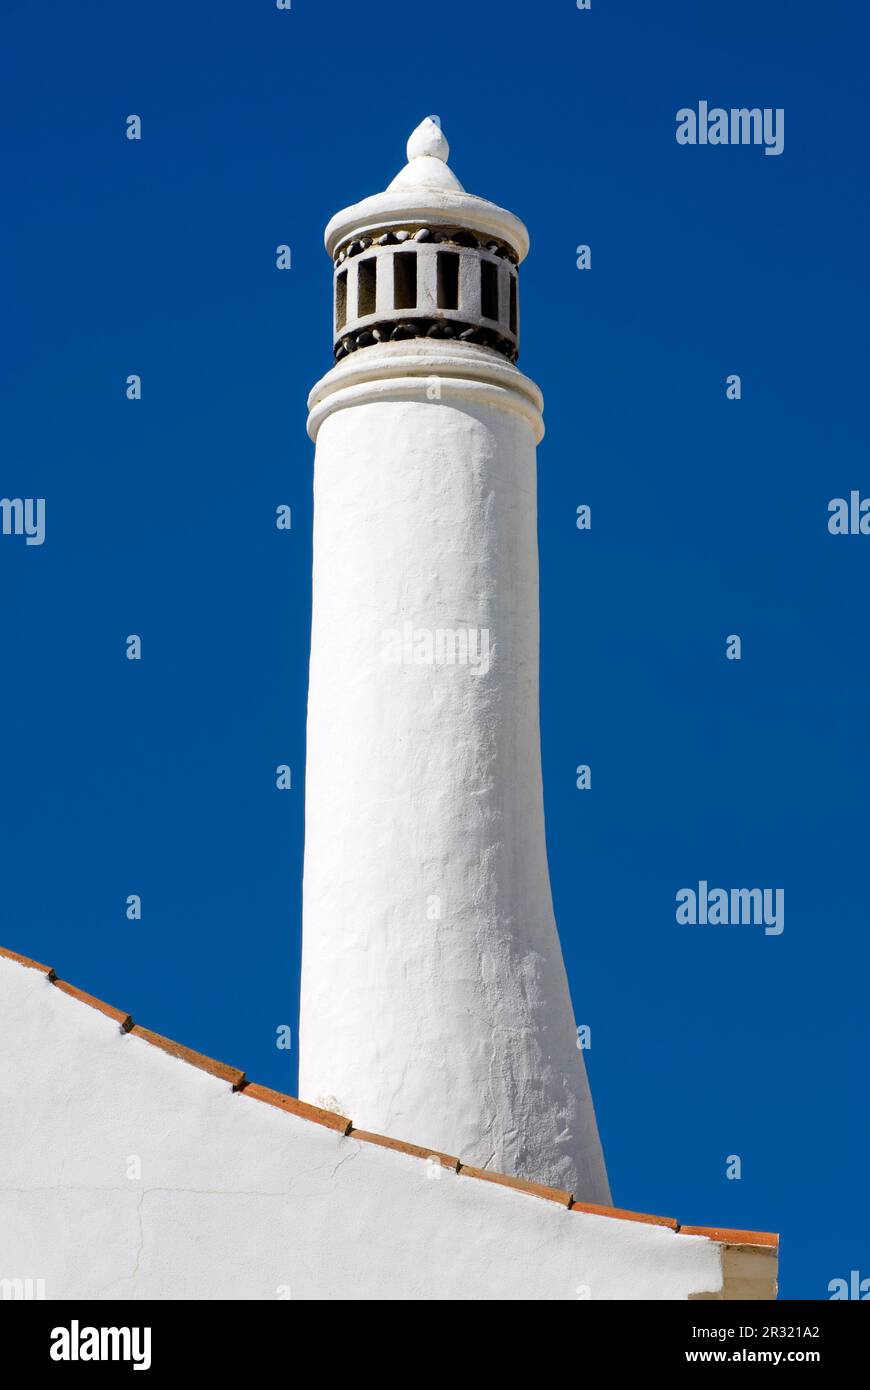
[
  {"x": 434, "y": 996},
  {"x": 238, "y": 1200}
]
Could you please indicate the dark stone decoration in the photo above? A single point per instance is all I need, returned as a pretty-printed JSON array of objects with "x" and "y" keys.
[
  {"x": 458, "y": 236},
  {"x": 424, "y": 328}
]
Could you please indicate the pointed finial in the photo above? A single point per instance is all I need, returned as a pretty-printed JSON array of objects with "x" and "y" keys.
[
  {"x": 427, "y": 165},
  {"x": 428, "y": 140}
]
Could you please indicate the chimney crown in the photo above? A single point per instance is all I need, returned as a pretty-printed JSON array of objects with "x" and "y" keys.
[{"x": 426, "y": 259}]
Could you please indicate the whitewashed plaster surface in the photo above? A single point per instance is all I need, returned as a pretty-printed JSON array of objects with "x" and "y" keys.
[
  {"x": 434, "y": 998},
  {"x": 238, "y": 1200}
]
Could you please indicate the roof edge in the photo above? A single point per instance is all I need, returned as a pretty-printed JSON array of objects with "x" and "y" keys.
[{"x": 730, "y": 1239}]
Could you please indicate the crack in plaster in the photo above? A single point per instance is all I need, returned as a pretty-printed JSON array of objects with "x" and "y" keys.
[{"x": 194, "y": 1191}]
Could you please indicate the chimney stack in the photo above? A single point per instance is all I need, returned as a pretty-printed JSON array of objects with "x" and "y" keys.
[{"x": 435, "y": 1004}]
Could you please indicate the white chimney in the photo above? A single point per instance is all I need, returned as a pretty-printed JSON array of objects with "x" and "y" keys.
[{"x": 435, "y": 1004}]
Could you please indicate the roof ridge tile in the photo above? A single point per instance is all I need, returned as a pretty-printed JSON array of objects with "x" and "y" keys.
[
  {"x": 399, "y": 1146},
  {"x": 30, "y": 964},
  {"x": 292, "y": 1106},
  {"x": 725, "y": 1236},
  {"x": 124, "y": 1019},
  {"x": 534, "y": 1189},
  {"x": 589, "y": 1209},
  {"x": 233, "y": 1075}
]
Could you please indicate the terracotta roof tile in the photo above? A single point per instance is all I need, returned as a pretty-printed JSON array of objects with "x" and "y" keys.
[
  {"x": 297, "y": 1107},
  {"x": 728, "y": 1237},
  {"x": 118, "y": 1015},
  {"x": 235, "y": 1077},
  {"x": 536, "y": 1189},
  {"x": 342, "y": 1125},
  {"x": 25, "y": 960},
  {"x": 623, "y": 1215},
  {"x": 446, "y": 1160}
]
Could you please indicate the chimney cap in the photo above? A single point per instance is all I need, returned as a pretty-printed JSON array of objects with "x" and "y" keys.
[{"x": 426, "y": 192}]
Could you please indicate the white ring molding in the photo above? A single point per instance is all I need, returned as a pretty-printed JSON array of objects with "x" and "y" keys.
[{"x": 398, "y": 371}]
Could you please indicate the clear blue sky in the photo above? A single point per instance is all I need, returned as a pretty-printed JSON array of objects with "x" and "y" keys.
[{"x": 709, "y": 518}]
